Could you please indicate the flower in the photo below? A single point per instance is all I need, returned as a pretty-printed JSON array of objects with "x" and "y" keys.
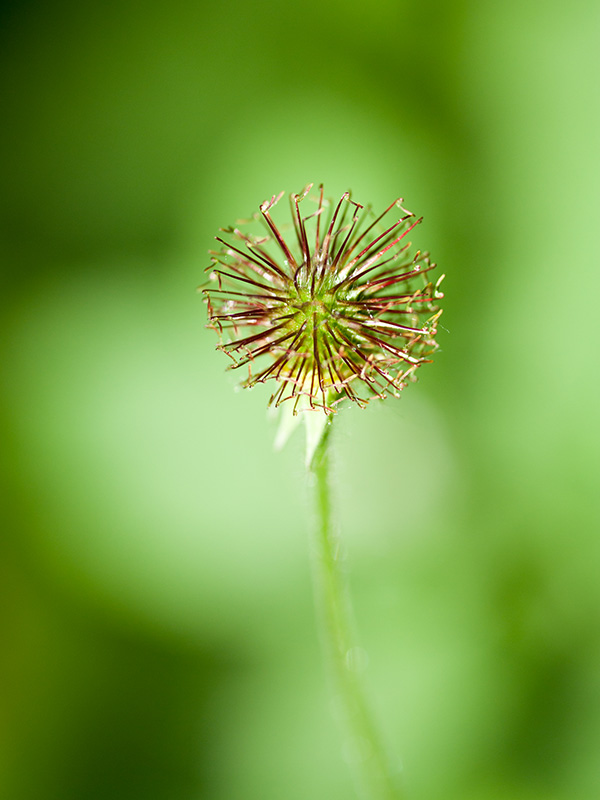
[{"x": 341, "y": 309}]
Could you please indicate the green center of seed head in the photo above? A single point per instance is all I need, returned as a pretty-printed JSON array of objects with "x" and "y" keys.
[
  {"x": 316, "y": 303},
  {"x": 316, "y": 309}
]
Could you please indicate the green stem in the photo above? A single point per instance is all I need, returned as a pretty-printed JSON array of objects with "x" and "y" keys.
[{"x": 363, "y": 745}]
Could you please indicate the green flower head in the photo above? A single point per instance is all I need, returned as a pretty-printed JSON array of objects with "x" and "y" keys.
[{"x": 331, "y": 306}]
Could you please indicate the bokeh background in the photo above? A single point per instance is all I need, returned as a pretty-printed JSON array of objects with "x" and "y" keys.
[{"x": 157, "y": 637}]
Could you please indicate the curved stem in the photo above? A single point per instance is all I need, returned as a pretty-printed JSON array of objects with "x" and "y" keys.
[{"x": 363, "y": 743}]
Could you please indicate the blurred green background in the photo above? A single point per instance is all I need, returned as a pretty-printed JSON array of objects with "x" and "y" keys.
[{"x": 156, "y": 632}]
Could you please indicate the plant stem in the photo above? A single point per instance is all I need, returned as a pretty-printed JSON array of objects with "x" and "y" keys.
[{"x": 363, "y": 743}]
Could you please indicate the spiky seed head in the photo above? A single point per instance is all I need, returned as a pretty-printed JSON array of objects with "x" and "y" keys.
[{"x": 341, "y": 308}]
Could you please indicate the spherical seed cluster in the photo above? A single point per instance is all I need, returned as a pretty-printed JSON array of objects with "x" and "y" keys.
[{"x": 341, "y": 310}]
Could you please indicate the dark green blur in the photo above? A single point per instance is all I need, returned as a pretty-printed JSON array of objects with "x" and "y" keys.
[{"x": 157, "y": 639}]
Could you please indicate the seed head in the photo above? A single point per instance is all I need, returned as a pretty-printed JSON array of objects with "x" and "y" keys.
[{"x": 338, "y": 309}]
